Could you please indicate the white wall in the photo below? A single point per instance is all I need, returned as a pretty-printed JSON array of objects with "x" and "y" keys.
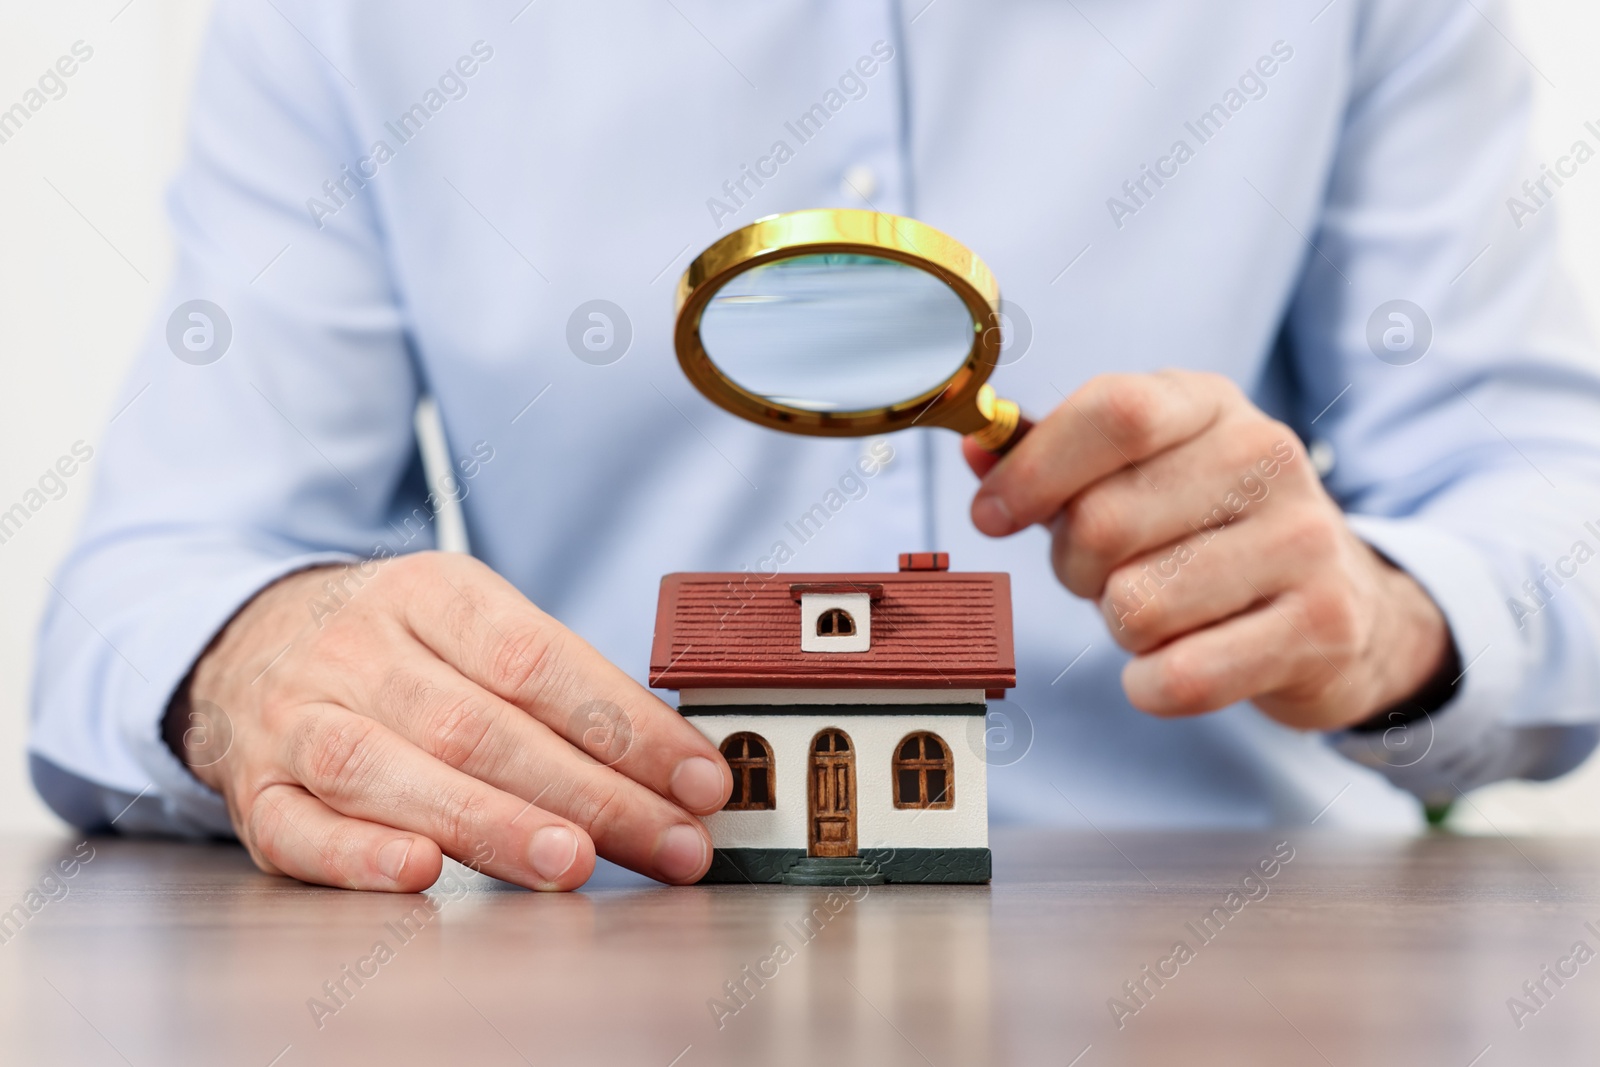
[
  {"x": 72, "y": 307},
  {"x": 73, "y": 303}
]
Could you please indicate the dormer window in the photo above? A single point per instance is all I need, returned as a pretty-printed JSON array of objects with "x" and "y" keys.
[
  {"x": 835, "y": 618},
  {"x": 835, "y": 622}
]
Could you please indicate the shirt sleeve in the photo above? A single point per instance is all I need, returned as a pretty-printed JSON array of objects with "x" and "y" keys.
[
  {"x": 1466, "y": 431},
  {"x": 285, "y": 441}
]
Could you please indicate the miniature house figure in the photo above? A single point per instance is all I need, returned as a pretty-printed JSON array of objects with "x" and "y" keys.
[{"x": 851, "y": 709}]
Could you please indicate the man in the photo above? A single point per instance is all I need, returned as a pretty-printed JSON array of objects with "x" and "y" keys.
[{"x": 1318, "y": 210}]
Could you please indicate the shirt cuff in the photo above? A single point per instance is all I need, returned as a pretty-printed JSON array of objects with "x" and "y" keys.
[{"x": 1443, "y": 752}]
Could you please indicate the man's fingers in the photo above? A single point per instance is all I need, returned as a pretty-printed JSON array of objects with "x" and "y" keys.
[
  {"x": 480, "y": 624},
  {"x": 980, "y": 459},
  {"x": 291, "y": 832},
  {"x": 1262, "y": 651},
  {"x": 1114, "y": 421},
  {"x": 1206, "y": 578},
  {"x": 1233, "y": 471},
  {"x": 361, "y": 768},
  {"x": 476, "y": 732}
]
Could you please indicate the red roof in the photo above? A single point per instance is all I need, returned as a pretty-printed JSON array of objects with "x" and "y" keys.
[{"x": 931, "y": 629}]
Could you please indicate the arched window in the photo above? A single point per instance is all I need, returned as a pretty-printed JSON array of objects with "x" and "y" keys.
[
  {"x": 750, "y": 759},
  {"x": 835, "y": 622},
  {"x": 923, "y": 775}
]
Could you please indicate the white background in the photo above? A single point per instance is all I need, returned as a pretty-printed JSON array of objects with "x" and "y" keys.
[{"x": 72, "y": 308}]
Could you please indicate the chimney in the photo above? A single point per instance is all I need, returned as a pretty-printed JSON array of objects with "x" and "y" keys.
[{"x": 924, "y": 561}]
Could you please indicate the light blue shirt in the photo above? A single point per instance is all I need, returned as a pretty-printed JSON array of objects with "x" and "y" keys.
[{"x": 388, "y": 200}]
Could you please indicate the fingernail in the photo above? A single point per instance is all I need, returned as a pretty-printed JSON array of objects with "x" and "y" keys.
[
  {"x": 392, "y": 857},
  {"x": 697, "y": 783},
  {"x": 553, "y": 851},
  {"x": 991, "y": 516},
  {"x": 1141, "y": 682},
  {"x": 681, "y": 854}
]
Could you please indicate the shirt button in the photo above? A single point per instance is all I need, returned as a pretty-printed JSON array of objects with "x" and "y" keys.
[
  {"x": 860, "y": 182},
  {"x": 1322, "y": 456}
]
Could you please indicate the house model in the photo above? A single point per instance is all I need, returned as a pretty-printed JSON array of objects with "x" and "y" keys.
[{"x": 851, "y": 709}]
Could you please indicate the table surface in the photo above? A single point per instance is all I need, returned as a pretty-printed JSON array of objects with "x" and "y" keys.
[{"x": 1360, "y": 950}]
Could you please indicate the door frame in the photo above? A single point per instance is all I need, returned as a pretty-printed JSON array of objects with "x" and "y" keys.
[{"x": 852, "y": 810}]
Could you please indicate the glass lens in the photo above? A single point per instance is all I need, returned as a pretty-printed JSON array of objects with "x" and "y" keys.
[{"x": 837, "y": 332}]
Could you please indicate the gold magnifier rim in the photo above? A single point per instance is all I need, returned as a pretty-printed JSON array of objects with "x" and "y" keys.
[{"x": 953, "y": 404}]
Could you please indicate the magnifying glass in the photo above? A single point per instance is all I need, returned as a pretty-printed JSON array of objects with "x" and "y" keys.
[{"x": 846, "y": 323}]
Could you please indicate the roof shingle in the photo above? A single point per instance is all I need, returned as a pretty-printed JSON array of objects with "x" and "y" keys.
[{"x": 931, "y": 629}]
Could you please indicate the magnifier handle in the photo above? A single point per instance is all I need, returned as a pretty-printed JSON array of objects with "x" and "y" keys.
[
  {"x": 1024, "y": 424},
  {"x": 1007, "y": 424}
]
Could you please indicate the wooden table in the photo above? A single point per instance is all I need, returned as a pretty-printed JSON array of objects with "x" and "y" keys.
[{"x": 1360, "y": 950}]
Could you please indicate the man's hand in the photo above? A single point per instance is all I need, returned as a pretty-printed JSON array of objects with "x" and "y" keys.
[
  {"x": 1199, "y": 526},
  {"x": 377, "y": 721}
]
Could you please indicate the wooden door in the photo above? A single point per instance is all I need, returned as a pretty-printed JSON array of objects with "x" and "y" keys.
[{"x": 832, "y": 795}]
